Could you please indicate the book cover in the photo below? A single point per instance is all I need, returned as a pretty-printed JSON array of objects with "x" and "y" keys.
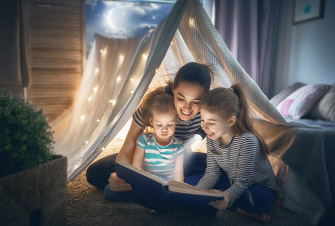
[{"x": 156, "y": 194}]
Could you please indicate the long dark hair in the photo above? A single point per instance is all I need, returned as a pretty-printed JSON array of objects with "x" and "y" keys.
[
  {"x": 194, "y": 73},
  {"x": 228, "y": 102}
]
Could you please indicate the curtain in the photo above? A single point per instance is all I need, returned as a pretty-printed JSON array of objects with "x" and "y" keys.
[
  {"x": 14, "y": 56},
  {"x": 249, "y": 29}
]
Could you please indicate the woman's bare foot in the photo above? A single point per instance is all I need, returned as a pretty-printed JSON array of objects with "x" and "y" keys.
[{"x": 263, "y": 217}]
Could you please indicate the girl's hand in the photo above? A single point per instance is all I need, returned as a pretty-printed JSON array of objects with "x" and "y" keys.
[
  {"x": 221, "y": 204},
  {"x": 118, "y": 184}
]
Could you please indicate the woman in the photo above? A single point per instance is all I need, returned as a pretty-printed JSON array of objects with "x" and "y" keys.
[{"x": 191, "y": 83}]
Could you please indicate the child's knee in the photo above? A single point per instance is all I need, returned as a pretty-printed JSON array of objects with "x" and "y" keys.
[{"x": 115, "y": 196}]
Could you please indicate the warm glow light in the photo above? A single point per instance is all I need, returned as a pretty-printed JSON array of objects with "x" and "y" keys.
[
  {"x": 89, "y": 99},
  {"x": 98, "y": 120},
  {"x": 86, "y": 142},
  {"x": 97, "y": 70},
  {"x": 102, "y": 149},
  {"x": 132, "y": 79},
  {"x": 145, "y": 56},
  {"x": 132, "y": 91},
  {"x": 82, "y": 117},
  {"x": 118, "y": 79},
  {"x": 95, "y": 89}
]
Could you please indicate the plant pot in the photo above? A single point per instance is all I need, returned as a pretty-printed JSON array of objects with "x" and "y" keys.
[{"x": 35, "y": 196}]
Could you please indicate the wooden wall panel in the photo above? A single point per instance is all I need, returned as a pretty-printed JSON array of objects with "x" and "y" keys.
[{"x": 57, "y": 53}]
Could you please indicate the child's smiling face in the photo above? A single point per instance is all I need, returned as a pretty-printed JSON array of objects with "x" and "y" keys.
[{"x": 214, "y": 125}]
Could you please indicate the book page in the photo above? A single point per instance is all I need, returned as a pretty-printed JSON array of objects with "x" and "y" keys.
[
  {"x": 142, "y": 172},
  {"x": 176, "y": 186}
]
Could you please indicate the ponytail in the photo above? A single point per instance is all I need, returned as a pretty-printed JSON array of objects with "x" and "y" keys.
[{"x": 243, "y": 120}]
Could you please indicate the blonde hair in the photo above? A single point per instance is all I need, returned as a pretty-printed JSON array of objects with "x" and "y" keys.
[
  {"x": 228, "y": 102},
  {"x": 157, "y": 101}
]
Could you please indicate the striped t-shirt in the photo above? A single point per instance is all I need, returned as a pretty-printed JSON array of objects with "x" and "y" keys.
[
  {"x": 159, "y": 160},
  {"x": 242, "y": 161},
  {"x": 184, "y": 129}
]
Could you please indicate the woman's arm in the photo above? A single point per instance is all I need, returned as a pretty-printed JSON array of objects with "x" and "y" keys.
[
  {"x": 126, "y": 154},
  {"x": 179, "y": 169},
  {"x": 138, "y": 157}
]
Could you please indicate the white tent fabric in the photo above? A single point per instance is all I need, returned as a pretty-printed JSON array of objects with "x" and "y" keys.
[{"x": 118, "y": 73}]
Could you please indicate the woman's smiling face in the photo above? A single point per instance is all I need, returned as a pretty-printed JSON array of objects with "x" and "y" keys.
[{"x": 187, "y": 98}]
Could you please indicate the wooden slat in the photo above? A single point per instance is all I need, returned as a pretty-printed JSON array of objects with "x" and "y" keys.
[{"x": 56, "y": 30}]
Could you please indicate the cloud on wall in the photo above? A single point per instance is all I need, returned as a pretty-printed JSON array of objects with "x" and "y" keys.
[
  {"x": 131, "y": 19},
  {"x": 117, "y": 19}
]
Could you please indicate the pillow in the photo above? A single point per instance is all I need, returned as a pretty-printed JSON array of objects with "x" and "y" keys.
[
  {"x": 285, "y": 93},
  {"x": 301, "y": 102},
  {"x": 325, "y": 109}
]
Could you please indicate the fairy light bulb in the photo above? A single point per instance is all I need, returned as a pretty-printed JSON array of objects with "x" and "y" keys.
[
  {"x": 96, "y": 70},
  {"x": 112, "y": 102},
  {"x": 89, "y": 99},
  {"x": 191, "y": 23},
  {"x": 132, "y": 91},
  {"x": 121, "y": 58},
  {"x": 95, "y": 89},
  {"x": 103, "y": 51},
  {"x": 145, "y": 56},
  {"x": 118, "y": 79},
  {"x": 82, "y": 117},
  {"x": 98, "y": 120},
  {"x": 86, "y": 142}
]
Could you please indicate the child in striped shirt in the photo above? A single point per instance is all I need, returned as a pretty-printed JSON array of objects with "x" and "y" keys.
[
  {"x": 234, "y": 147},
  {"x": 160, "y": 153}
]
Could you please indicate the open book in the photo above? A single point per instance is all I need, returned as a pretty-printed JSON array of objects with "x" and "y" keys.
[{"x": 154, "y": 193}]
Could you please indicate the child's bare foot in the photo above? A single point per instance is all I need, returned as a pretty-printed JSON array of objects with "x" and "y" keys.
[{"x": 263, "y": 217}]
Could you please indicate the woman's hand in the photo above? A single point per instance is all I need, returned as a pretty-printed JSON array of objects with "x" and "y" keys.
[
  {"x": 118, "y": 184},
  {"x": 221, "y": 204}
]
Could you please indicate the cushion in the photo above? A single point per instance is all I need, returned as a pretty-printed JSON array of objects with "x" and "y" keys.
[
  {"x": 285, "y": 93},
  {"x": 301, "y": 101},
  {"x": 325, "y": 108}
]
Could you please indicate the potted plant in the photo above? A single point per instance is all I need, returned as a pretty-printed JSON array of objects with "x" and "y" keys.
[{"x": 32, "y": 178}]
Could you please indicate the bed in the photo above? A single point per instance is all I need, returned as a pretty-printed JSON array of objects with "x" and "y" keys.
[{"x": 307, "y": 169}]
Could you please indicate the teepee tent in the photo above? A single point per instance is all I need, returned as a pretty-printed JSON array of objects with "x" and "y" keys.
[{"x": 119, "y": 72}]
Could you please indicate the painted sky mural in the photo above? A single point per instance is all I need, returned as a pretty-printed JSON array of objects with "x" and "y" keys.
[{"x": 123, "y": 19}]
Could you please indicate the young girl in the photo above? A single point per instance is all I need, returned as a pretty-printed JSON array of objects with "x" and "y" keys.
[
  {"x": 234, "y": 147},
  {"x": 191, "y": 83},
  {"x": 160, "y": 153}
]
